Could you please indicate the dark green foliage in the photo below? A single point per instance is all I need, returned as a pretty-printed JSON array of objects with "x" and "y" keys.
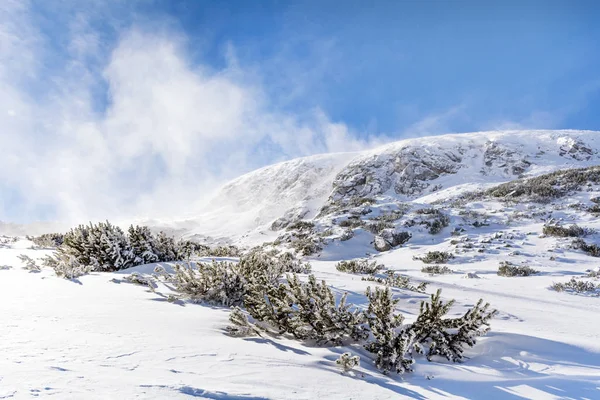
[
  {"x": 561, "y": 231},
  {"x": 591, "y": 249},
  {"x": 436, "y": 269},
  {"x": 427, "y": 211},
  {"x": 508, "y": 269},
  {"x": 436, "y": 257},
  {"x": 438, "y": 224},
  {"x": 435, "y": 335},
  {"x": 437, "y": 220},
  {"x": 359, "y": 266},
  {"x": 390, "y": 346}
]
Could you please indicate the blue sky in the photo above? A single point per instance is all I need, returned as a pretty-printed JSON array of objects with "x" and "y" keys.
[{"x": 157, "y": 96}]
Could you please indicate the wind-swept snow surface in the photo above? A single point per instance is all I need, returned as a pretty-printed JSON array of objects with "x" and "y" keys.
[{"x": 100, "y": 337}]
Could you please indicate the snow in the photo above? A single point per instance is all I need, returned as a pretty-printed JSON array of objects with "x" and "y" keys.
[
  {"x": 95, "y": 338},
  {"x": 100, "y": 337}
]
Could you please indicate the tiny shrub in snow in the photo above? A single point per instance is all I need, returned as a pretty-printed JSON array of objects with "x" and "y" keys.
[
  {"x": 436, "y": 257},
  {"x": 591, "y": 249},
  {"x": 595, "y": 209},
  {"x": 361, "y": 201},
  {"x": 351, "y": 223},
  {"x": 398, "y": 281},
  {"x": 561, "y": 231},
  {"x": 301, "y": 226},
  {"x": 508, "y": 269},
  {"x": 436, "y": 269},
  {"x": 378, "y": 226},
  {"x": 577, "y": 286},
  {"x": 359, "y": 266},
  {"x": 593, "y": 274},
  {"x": 347, "y": 362}
]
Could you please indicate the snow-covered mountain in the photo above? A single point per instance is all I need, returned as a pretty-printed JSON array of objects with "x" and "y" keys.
[
  {"x": 450, "y": 211},
  {"x": 411, "y": 170}
]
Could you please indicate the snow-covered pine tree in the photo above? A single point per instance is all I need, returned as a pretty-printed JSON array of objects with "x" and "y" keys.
[
  {"x": 216, "y": 282},
  {"x": 317, "y": 317},
  {"x": 446, "y": 337},
  {"x": 390, "y": 346},
  {"x": 165, "y": 248},
  {"x": 111, "y": 248},
  {"x": 142, "y": 244}
]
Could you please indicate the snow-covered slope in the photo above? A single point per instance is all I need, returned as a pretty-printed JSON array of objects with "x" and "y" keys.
[
  {"x": 407, "y": 170},
  {"x": 100, "y": 337}
]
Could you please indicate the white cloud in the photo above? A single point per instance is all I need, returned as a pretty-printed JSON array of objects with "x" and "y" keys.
[{"x": 172, "y": 131}]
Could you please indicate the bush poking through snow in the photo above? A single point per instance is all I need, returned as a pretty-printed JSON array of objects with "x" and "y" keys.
[
  {"x": 30, "y": 264},
  {"x": 216, "y": 283},
  {"x": 509, "y": 269},
  {"x": 307, "y": 311},
  {"x": 390, "y": 346},
  {"x": 359, "y": 266},
  {"x": 240, "y": 325},
  {"x": 591, "y": 249},
  {"x": 66, "y": 265},
  {"x": 436, "y": 270},
  {"x": 436, "y": 257},
  {"x": 576, "y": 286},
  {"x": 447, "y": 337},
  {"x": 561, "y": 231},
  {"x": 347, "y": 361},
  {"x": 48, "y": 240},
  {"x": 398, "y": 281}
]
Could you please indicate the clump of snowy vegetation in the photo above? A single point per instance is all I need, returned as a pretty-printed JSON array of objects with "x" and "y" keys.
[
  {"x": 105, "y": 247},
  {"x": 591, "y": 249},
  {"x": 29, "y": 263},
  {"x": 507, "y": 268},
  {"x": 47, "y": 240},
  {"x": 393, "y": 279},
  {"x": 436, "y": 269},
  {"x": 359, "y": 266},
  {"x": 577, "y": 286},
  {"x": 436, "y": 257},
  {"x": 347, "y": 361},
  {"x": 309, "y": 311},
  {"x": 561, "y": 231}
]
